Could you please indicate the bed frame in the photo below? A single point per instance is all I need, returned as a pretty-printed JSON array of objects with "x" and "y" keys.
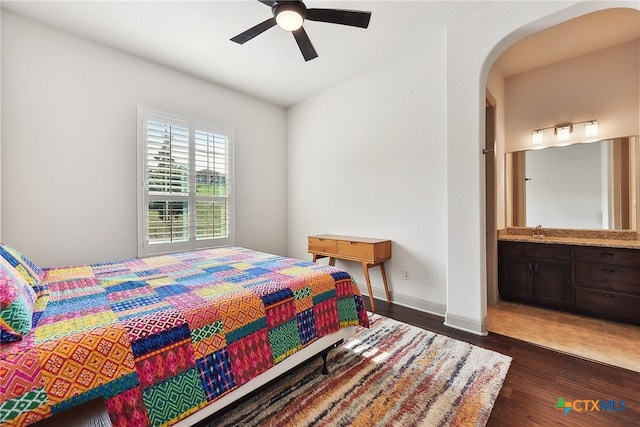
[{"x": 94, "y": 413}]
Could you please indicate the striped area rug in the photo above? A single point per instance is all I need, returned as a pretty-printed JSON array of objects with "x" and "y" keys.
[{"x": 392, "y": 374}]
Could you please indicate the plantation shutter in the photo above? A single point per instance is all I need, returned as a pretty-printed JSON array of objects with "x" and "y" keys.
[
  {"x": 185, "y": 182},
  {"x": 212, "y": 185}
]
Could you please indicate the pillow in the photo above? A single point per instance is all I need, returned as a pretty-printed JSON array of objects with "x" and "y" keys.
[
  {"x": 17, "y": 299},
  {"x": 27, "y": 268}
]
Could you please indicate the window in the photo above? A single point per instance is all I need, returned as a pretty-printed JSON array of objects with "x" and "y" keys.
[{"x": 184, "y": 189}]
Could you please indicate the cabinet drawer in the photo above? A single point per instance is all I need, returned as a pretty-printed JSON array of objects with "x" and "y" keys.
[
  {"x": 356, "y": 249},
  {"x": 365, "y": 251},
  {"x": 318, "y": 244},
  {"x": 535, "y": 250},
  {"x": 608, "y": 255},
  {"x": 608, "y": 277},
  {"x": 609, "y": 305}
]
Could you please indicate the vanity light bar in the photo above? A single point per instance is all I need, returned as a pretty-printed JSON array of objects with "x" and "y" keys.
[
  {"x": 591, "y": 129},
  {"x": 563, "y": 131},
  {"x": 537, "y": 137}
]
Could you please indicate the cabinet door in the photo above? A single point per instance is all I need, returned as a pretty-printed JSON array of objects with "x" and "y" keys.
[
  {"x": 552, "y": 284},
  {"x": 515, "y": 280}
]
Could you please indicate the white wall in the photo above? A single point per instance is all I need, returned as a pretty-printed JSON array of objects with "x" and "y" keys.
[
  {"x": 368, "y": 158},
  {"x": 429, "y": 200},
  {"x": 1, "y": 239},
  {"x": 69, "y": 146},
  {"x": 606, "y": 88}
]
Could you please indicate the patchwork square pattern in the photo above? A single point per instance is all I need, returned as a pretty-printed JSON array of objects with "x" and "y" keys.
[
  {"x": 285, "y": 340},
  {"x": 128, "y": 409},
  {"x": 159, "y": 338},
  {"x": 250, "y": 356},
  {"x": 167, "y": 400},
  {"x": 84, "y": 361},
  {"x": 306, "y": 326},
  {"x": 216, "y": 374}
]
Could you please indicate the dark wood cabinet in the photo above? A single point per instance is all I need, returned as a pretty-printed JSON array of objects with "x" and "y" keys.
[
  {"x": 607, "y": 283},
  {"x": 515, "y": 282},
  {"x": 535, "y": 273},
  {"x": 602, "y": 282},
  {"x": 552, "y": 284}
]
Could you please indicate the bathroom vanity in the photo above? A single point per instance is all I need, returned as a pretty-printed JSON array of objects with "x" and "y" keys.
[{"x": 594, "y": 272}]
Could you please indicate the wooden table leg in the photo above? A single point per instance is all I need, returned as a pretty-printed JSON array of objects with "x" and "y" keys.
[
  {"x": 384, "y": 280},
  {"x": 365, "y": 267}
]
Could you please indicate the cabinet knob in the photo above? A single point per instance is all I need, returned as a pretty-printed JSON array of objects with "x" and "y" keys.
[
  {"x": 606, "y": 253},
  {"x": 607, "y": 295},
  {"x": 608, "y": 270}
]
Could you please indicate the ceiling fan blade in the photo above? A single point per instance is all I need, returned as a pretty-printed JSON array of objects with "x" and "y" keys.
[
  {"x": 254, "y": 31},
  {"x": 269, "y": 3},
  {"x": 304, "y": 43},
  {"x": 354, "y": 18}
]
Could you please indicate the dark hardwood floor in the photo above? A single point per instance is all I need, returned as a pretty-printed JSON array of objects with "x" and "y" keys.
[{"x": 538, "y": 377}]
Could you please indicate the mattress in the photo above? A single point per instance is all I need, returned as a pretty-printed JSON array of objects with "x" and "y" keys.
[{"x": 159, "y": 338}]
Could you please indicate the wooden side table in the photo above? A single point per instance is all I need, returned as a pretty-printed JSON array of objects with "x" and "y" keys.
[{"x": 369, "y": 252}]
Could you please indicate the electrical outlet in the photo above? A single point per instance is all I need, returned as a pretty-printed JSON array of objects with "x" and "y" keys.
[
  {"x": 406, "y": 275},
  {"x": 433, "y": 279}
]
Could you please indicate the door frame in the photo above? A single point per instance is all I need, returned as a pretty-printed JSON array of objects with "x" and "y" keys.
[{"x": 491, "y": 232}]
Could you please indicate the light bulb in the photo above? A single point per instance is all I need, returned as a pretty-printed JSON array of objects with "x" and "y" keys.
[
  {"x": 289, "y": 20},
  {"x": 537, "y": 137},
  {"x": 591, "y": 129},
  {"x": 563, "y": 133}
]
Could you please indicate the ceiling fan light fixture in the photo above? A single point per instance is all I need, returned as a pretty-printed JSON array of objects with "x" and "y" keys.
[{"x": 289, "y": 16}]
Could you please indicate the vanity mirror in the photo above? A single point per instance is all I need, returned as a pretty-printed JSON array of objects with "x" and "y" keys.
[{"x": 580, "y": 186}]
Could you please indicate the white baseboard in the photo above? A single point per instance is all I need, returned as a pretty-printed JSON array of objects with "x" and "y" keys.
[
  {"x": 412, "y": 302},
  {"x": 462, "y": 323},
  {"x": 465, "y": 324}
]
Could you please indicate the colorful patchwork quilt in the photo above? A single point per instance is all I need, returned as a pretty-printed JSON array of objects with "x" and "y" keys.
[{"x": 159, "y": 338}]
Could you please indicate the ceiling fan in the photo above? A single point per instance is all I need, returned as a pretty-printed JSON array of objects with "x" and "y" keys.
[{"x": 290, "y": 15}]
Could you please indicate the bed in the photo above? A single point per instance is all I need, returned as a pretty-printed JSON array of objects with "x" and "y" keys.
[{"x": 162, "y": 340}]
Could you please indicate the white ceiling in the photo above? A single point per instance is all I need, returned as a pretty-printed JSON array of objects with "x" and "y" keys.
[
  {"x": 579, "y": 36},
  {"x": 193, "y": 37}
]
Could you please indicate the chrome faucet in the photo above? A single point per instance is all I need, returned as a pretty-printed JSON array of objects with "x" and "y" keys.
[{"x": 537, "y": 231}]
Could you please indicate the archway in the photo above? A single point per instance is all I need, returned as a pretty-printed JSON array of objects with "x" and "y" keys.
[{"x": 473, "y": 45}]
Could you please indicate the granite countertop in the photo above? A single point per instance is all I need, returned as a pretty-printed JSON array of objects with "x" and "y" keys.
[{"x": 605, "y": 238}]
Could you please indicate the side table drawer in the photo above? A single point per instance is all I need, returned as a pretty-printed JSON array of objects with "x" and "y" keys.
[
  {"x": 366, "y": 251},
  {"x": 318, "y": 244},
  {"x": 355, "y": 249}
]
